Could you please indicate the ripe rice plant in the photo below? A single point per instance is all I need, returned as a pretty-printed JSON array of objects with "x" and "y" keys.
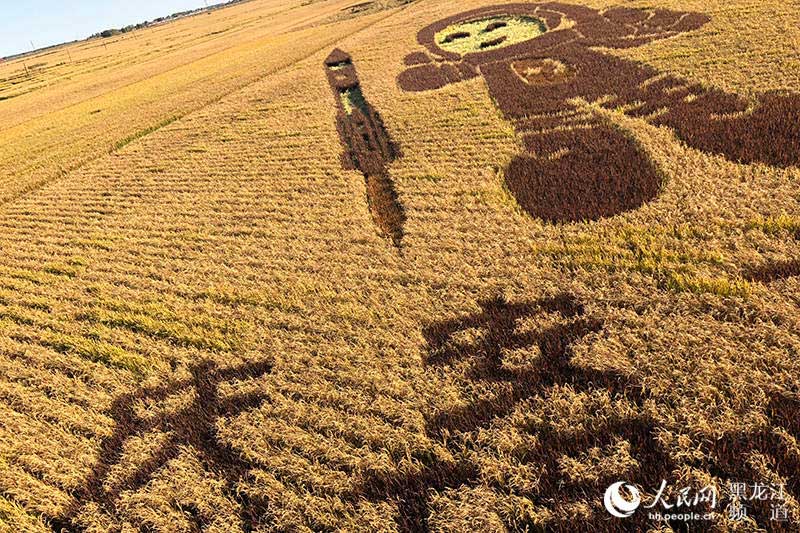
[{"x": 230, "y": 302}]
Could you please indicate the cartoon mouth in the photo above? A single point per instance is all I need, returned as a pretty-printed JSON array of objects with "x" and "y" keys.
[
  {"x": 493, "y": 42},
  {"x": 485, "y": 34}
]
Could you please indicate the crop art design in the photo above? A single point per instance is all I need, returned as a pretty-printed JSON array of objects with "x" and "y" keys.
[
  {"x": 559, "y": 323},
  {"x": 509, "y": 356},
  {"x": 368, "y": 147},
  {"x": 192, "y": 426},
  {"x": 775, "y": 271},
  {"x": 537, "y": 59}
]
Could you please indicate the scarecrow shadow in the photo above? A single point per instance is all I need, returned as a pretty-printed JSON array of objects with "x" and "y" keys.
[
  {"x": 192, "y": 426},
  {"x": 499, "y": 323}
]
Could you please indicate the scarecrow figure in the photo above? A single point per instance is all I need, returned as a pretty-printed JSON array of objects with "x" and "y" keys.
[
  {"x": 368, "y": 146},
  {"x": 541, "y": 60}
]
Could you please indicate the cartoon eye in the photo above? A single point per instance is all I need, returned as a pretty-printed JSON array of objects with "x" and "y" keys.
[
  {"x": 493, "y": 42},
  {"x": 495, "y": 26},
  {"x": 340, "y": 65},
  {"x": 456, "y": 36}
]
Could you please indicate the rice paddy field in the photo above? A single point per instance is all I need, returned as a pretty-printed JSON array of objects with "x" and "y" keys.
[{"x": 405, "y": 266}]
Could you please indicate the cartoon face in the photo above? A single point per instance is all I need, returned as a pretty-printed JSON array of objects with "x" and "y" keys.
[
  {"x": 489, "y": 33},
  {"x": 485, "y": 35}
]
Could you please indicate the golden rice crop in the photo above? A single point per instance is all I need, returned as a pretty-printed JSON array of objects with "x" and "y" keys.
[{"x": 201, "y": 328}]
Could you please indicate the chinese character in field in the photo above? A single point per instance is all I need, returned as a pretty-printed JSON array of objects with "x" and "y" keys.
[
  {"x": 545, "y": 63},
  {"x": 193, "y": 427}
]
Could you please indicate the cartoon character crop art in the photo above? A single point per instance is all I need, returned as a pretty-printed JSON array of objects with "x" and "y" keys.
[{"x": 537, "y": 59}]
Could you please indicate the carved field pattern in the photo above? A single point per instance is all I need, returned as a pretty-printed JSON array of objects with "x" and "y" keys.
[
  {"x": 192, "y": 426},
  {"x": 368, "y": 146},
  {"x": 606, "y": 172},
  {"x": 202, "y": 330}
]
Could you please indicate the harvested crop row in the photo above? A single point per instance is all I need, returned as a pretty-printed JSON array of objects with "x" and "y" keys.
[{"x": 47, "y": 147}]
